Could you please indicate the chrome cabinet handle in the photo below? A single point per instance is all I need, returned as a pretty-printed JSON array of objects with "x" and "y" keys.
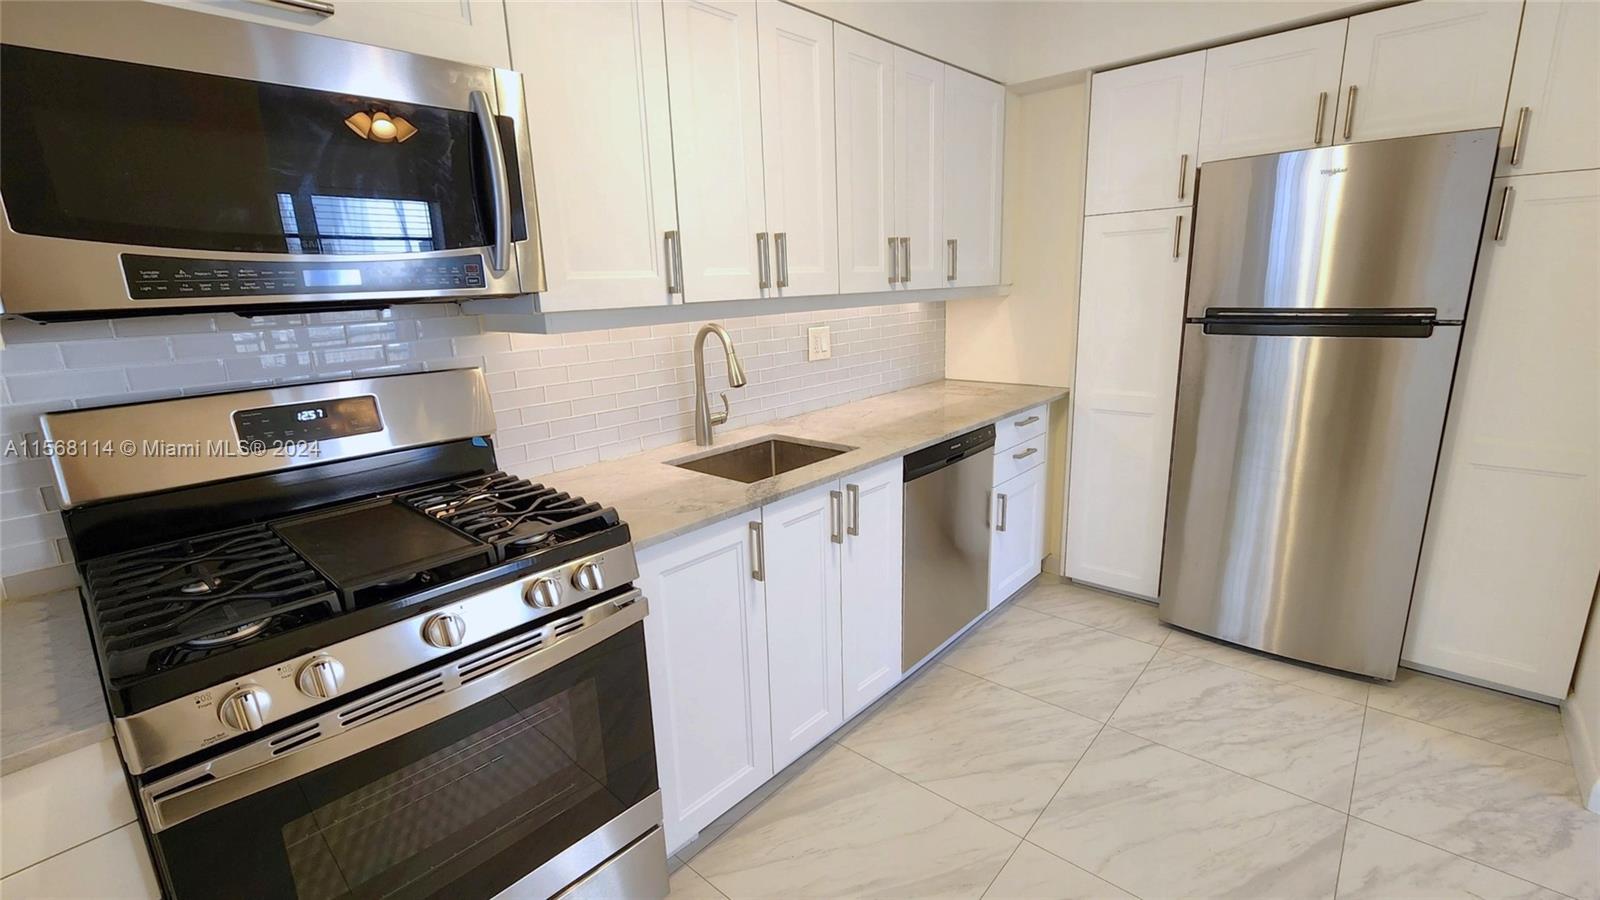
[
  {"x": 1177, "y": 238},
  {"x": 854, "y": 491},
  {"x": 894, "y": 261},
  {"x": 1000, "y": 524},
  {"x": 758, "y": 553},
  {"x": 674, "y": 263},
  {"x": 764, "y": 271},
  {"x": 1322, "y": 108},
  {"x": 1024, "y": 423},
  {"x": 952, "y": 243},
  {"x": 1349, "y": 112},
  {"x": 1183, "y": 175},
  {"x": 316, "y": 6},
  {"x": 1026, "y": 453},
  {"x": 781, "y": 240},
  {"x": 1516, "y": 140},
  {"x": 836, "y": 510},
  {"x": 1500, "y": 222},
  {"x": 499, "y": 183},
  {"x": 905, "y": 260}
]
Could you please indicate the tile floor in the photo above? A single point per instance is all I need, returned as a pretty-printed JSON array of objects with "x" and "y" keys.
[{"x": 1071, "y": 746}]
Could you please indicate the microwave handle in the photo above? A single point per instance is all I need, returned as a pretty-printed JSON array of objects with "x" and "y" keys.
[{"x": 499, "y": 183}]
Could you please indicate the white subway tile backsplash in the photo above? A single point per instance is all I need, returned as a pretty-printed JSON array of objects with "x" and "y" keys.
[{"x": 559, "y": 400}]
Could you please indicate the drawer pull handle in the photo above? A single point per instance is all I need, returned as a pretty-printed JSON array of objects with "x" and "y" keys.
[
  {"x": 1024, "y": 423},
  {"x": 1026, "y": 453}
]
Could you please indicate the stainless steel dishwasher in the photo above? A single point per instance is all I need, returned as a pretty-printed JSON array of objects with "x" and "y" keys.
[{"x": 946, "y": 541}]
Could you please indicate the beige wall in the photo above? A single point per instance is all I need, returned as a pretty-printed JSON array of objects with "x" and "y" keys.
[
  {"x": 1030, "y": 336},
  {"x": 1581, "y": 712}
]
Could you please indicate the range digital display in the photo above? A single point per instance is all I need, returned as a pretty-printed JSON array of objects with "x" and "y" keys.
[
  {"x": 332, "y": 277},
  {"x": 297, "y": 422}
]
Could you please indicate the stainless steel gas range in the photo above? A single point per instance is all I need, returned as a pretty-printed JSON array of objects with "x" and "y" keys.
[{"x": 345, "y": 655}]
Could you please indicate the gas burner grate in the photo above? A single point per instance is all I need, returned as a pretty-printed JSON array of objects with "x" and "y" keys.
[
  {"x": 512, "y": 513},
  {"x": 161, "y": 607}
]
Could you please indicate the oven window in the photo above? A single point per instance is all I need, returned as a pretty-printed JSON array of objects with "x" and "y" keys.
[
  {"x": 461, "y": 807},
  {"x": 115, "y": 152}
]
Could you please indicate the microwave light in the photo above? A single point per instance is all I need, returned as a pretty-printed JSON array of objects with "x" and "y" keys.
[{"x": 380, "y": 127}]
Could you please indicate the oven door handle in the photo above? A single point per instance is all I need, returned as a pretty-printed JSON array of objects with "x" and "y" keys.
[
  {"x": 499, "y": 183},
  {"x": 381, "y": 716}
]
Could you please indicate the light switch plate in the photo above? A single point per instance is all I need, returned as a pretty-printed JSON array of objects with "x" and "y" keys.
[{"x": 819, "y": 343}]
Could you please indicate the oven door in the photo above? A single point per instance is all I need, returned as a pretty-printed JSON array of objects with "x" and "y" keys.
[
  {"x": 527, "y": 764},
  {"x": 159, "y": 158}
]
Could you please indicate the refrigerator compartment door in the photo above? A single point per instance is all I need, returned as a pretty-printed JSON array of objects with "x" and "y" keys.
[
  {"x": 1382, "y": 225},
  {"x": 1301, "y": 472}
]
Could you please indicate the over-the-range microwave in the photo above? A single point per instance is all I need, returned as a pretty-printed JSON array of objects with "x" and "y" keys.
[{"x": 156, "y": 159}]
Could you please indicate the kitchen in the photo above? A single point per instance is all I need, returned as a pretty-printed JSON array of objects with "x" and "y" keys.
[{"x": 762, "y": 449}]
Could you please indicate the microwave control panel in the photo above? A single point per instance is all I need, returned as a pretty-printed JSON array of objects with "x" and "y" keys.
[{"x": 165, "y": 277}]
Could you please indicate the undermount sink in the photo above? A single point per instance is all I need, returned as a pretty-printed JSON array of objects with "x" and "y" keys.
[{"x": 762, "y": 458}]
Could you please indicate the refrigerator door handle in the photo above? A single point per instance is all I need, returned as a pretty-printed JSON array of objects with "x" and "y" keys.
[{"x": 1400, "y": 323}]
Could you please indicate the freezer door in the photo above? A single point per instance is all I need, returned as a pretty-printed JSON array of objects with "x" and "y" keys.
[
  {"x": 1380, "y": 225},
  {"x": 1301, "y": 471}
]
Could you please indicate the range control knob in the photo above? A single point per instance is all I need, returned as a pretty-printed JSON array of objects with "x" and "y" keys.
[
  {"x": 444, "y": 630},
  {"x": 322, "y": 676},
  {"x": 544, "y": 593},
  {"x": 587, "y": 577},
  {"x": 245, "y": 709}
]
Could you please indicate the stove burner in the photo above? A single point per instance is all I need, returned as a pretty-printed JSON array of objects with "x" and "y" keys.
[
  {"x": 232, "y": 636},
  {"x": 511, "y": 513}
]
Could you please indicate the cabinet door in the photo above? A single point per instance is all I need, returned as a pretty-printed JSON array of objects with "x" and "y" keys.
[
  {"x": 864, "y": 115},
  {"x": 706, "y": 640},
  {"x": 714, "y": 82},
  {"x": 1144, "y": 135},
  {"x": 1427, "y": 67},
  {"x": 1513, "y": 539},
  {"x": 1016, "y": 536},
  {"x": 798, "y": 147},
  {"x": 974, "y": 160},
  {"x": 919, "y": 168},
  {"x": 596, "y": 74},
  {"x": 471, "y": 31},
  {"x": 801, "y": 538},
  {"x": 870, "y": 583},
  {"x": 1553, "y": 90},
  {"x": 1130, "y": 323},
  {"x": 1273, "y": 93}
]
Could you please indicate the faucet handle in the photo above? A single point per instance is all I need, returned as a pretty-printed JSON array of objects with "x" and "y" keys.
[{"x": 718, "y": 418}]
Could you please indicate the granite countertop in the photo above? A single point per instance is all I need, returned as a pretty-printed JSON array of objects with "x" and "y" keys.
[{"x": 50, "y": 697}]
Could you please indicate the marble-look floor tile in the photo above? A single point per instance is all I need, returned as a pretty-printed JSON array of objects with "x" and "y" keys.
[
  {"x": 1072, "y": 666},
  {"x": 1481, "y": 713},
  {"x": 1303, "y": 742},
  {"x": 848, "y": 827},
  {"x": 994, "y": 751},
  {"x": 1382, "y": 865},
  {"x": 1033, "y": 874},
  {"x": 686, "y": 884},
  {"x": 1161, "y": 824},
  {"x": 1345, "y": 687},
  {"x": 1505, "y": 808},
  {"x": 1124, "y": 615}
]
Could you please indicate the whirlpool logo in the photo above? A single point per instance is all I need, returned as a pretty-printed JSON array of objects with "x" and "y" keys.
[{"x": 1337, "y": 171}]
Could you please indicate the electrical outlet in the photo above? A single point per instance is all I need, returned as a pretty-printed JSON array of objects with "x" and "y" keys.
[{"x": 819, "y": 343}]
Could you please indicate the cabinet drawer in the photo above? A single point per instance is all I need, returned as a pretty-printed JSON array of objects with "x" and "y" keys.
[
  {"x": 1019, "y": 458},
  {"x": 1024, "y": 426}
]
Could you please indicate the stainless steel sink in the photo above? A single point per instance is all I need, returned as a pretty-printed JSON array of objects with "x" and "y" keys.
[{"x": 761, "y": 458}]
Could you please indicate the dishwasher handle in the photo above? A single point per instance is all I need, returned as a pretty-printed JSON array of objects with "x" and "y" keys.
[{"x": 949, "y": 452}]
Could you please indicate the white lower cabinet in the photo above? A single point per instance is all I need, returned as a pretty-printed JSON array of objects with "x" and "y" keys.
[
  {"x": 1016, "y": 520},
  {"x": 751, "y": 656}
]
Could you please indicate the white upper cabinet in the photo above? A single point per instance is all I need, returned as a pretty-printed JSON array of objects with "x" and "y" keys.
[
  {"x": 596, "y": 74},
  {"x": 714, "y": 81},
  {"x": 1427, "y": 67},
  {"x": 801, "y": 540},
  {"x": 1144, "y": 135},
  {"x": 1513, "y": 541},
  {"x": 919, "y": 168},
  {"x": 1553, "y": 112},
  {"x": 974, "y": 159},
  {"x": 706, "y": 643},
  {"x": 798, "y": 147},
  {"x": 1129, "y": 329},
  {"x": 864, "y": 88},
  {"x": 870, "y": 580},
  {"x": 471, "y": 31},
  {"x": 1272, "y": 94}
]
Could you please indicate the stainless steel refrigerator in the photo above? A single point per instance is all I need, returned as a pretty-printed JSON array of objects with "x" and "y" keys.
[{"x": 1327, "y": 292}]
